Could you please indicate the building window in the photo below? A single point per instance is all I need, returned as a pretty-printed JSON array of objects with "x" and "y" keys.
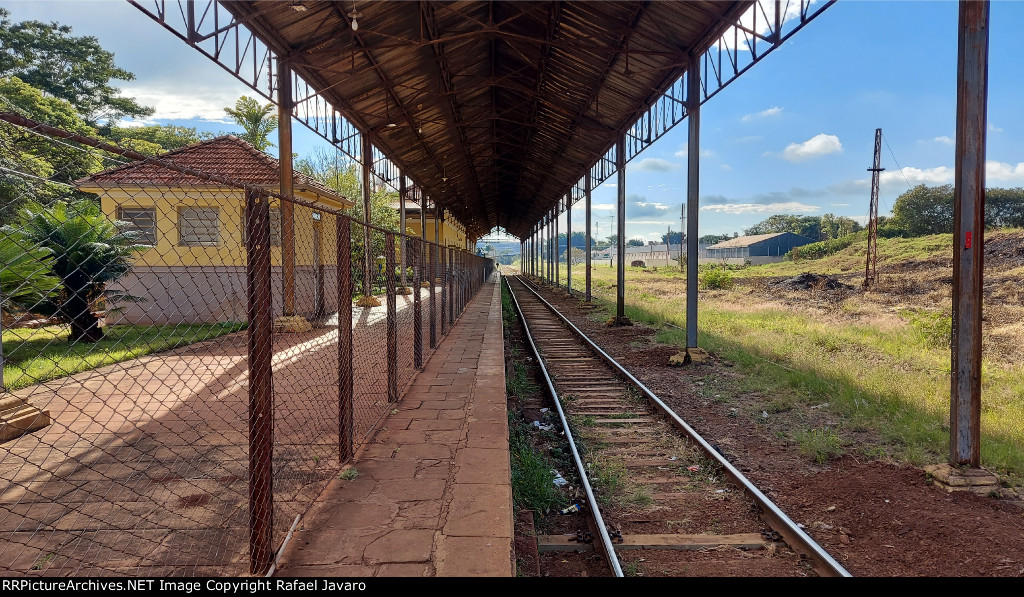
[
  {"x": 199, "y": 226},
  {"x": 143, "y": 223},
  {"x": 275, "y": 227}
]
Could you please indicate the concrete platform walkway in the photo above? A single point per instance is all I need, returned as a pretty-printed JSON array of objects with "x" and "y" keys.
[{"x": 433, "y": 494}]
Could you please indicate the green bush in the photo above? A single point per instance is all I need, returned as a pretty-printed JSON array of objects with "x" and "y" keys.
[
  {"x": 825, "y": 248},
  {"x": 714, "y": 277}
]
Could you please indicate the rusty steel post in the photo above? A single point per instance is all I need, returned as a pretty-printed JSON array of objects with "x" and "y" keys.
[
  {"x": 692, "y": 197},
  {"x": 568, "y": 244},
  {"x": 417, "y": 311},
  {"x": 261, "y": 383},
  {"x": 392, "y": 316},
  {"x": 285, "y": 173},
  {"x": 401, "y": 228},
  {"x": 367, "y": 219},
  {"x": 620, "y": 275},
  {"x": 433, "y": 300},
  {"x": 557, "y": 258},
  {"x": 589, "y": 247},
  {"x": 443, "y": 266},
  {"x": 451, "y": 288},
  {"x": 969, "y": 228},
  {"x": 346, "y": 389}
]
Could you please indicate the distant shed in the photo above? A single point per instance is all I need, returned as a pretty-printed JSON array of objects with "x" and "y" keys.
[{"x": 757, "y": 245}]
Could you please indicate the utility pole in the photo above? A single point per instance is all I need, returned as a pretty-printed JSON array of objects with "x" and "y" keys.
[{"x": 870, "y": 266}]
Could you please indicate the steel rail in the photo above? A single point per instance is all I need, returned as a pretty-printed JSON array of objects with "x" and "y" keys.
[
  {"x": 795, "y": 537},
  {"x": 606, "y": 540}
]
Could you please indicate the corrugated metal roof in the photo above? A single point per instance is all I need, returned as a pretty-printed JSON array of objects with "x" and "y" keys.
[
  {"x": 496, "y": 109},
  {"x": 227, "y": 156},
  {"x": 746, "y": 241}
]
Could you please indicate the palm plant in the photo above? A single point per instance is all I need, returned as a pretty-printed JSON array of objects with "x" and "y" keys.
[
  {"x": 25, "y": 278},
  {"x": 257, "y": 120},
  {"x": 88, "y": 252}
]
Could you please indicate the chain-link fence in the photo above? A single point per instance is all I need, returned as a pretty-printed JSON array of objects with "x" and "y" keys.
[{"x": 186, "y": 361}]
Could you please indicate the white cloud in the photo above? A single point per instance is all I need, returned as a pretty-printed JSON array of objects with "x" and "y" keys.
[
  {"x": 655, "y": 165},
  {"x": 929, "y": 176},
  {"x": 1002, "y": 171},
  {"x": 684, "y": 153},
  {"x": 602, "y": 206},
  {"x": 177, "y": 102},
  {"x": 726, "y": 167},
  {"x": 610, "y": 184},
  {"x": 762, "y": 208},
  {"x": 839, "y": 205},
  {"x": 773, "y": 111},
  {"x": 944, "y": 140},
  {"x": 994, "y": 128},
  {"x": 818, "y": 145}
]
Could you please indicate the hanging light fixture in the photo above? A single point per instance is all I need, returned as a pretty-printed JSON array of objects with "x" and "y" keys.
[{"x": 355, "y": 14}]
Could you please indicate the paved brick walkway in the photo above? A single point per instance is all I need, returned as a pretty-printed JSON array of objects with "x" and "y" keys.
[{"x": 433, "y": 495}]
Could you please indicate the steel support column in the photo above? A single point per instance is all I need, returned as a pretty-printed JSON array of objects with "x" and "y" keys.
[
  {"x": 401, "y": 227},
  {"x": 589, "y": 247},
  {"x": 620, "y": 275},
  {"x": 969, "y": 227},
  {"x": 285, "y": 175},
  {"x": 692, "y": 195},
  {"x": 557, "y": 257},
  {"x": 346, "y": 388},
  {"x": 568, "y": 244},
  {"x": 367, "y": 239},
  {"x": 261, "y": 383}
]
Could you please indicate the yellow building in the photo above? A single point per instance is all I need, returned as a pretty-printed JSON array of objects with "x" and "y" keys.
[
  {"x": 452, "y": 233},
  {"x": 195, "y": 268}
]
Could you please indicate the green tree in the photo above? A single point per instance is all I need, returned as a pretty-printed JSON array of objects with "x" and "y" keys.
[
  {"x": 1004, "y": 208},
  {"x": 75, "y": 69},
  {"x": 833, "y": 226},
  {"x": 634, "y": 242},
  {"x": 714, "y": 239},
  {"x": 257, "y": 120},
  {"x": 343, "y": 178},
  {"x": 89, "y": 251},
  {"x": 924, "y": 210},
  {"x": 25, "y": 278},
  {"x": 34, "y": 167},
  {"x": 807, "y": 226},
  {"x": 159, "y": 138}
]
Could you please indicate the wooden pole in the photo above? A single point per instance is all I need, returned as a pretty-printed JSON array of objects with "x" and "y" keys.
[{"x": 969, "y": 229}]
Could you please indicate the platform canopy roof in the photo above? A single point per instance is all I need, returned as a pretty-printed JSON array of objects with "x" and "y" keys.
[{"x": 494, "y": 109}]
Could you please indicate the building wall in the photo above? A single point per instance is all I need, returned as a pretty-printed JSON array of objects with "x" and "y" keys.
[
  {"x": 451, "y": 233},
  {"x": 212, "y": 294},
  {"x": 230, "y": 251}
]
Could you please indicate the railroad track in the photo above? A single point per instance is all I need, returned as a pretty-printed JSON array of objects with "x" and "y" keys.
[{"x": 655, "y": 490}]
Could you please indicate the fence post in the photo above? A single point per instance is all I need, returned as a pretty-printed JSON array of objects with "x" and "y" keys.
[
  {"x": 444, "y": 287},
  {"x": 392, "y": 318},
  {"x": 433, "y": 312},
  {"x": 345, "y": 385},
  {"x": 261, "y": 383},
  {"x": 451, "y": 288},
  {"x": 417, "y": 312}
]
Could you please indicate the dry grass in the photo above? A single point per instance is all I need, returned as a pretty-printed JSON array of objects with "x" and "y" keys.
[{"x": 878, "y": 356}]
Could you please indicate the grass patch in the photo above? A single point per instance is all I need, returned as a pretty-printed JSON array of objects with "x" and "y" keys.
[
  {"x": 349, "y": 474},
  {"x": 608, "y": 478},
  {"x": 34, "y": 356},
  {"x": 877, "y": 374},
  {"x": 532, "y": 486},
  {"x": 820, "y": 445}
]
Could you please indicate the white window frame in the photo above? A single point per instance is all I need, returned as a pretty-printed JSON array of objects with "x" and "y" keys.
[
  {"x": 184, "y": 240},
  {"x": 147, "y": 236}
]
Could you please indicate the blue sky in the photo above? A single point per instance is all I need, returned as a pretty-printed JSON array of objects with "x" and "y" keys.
[{"x": 794, "y": 134}]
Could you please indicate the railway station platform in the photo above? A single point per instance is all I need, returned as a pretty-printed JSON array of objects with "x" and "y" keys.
[{"x": 432, "y": 494}]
